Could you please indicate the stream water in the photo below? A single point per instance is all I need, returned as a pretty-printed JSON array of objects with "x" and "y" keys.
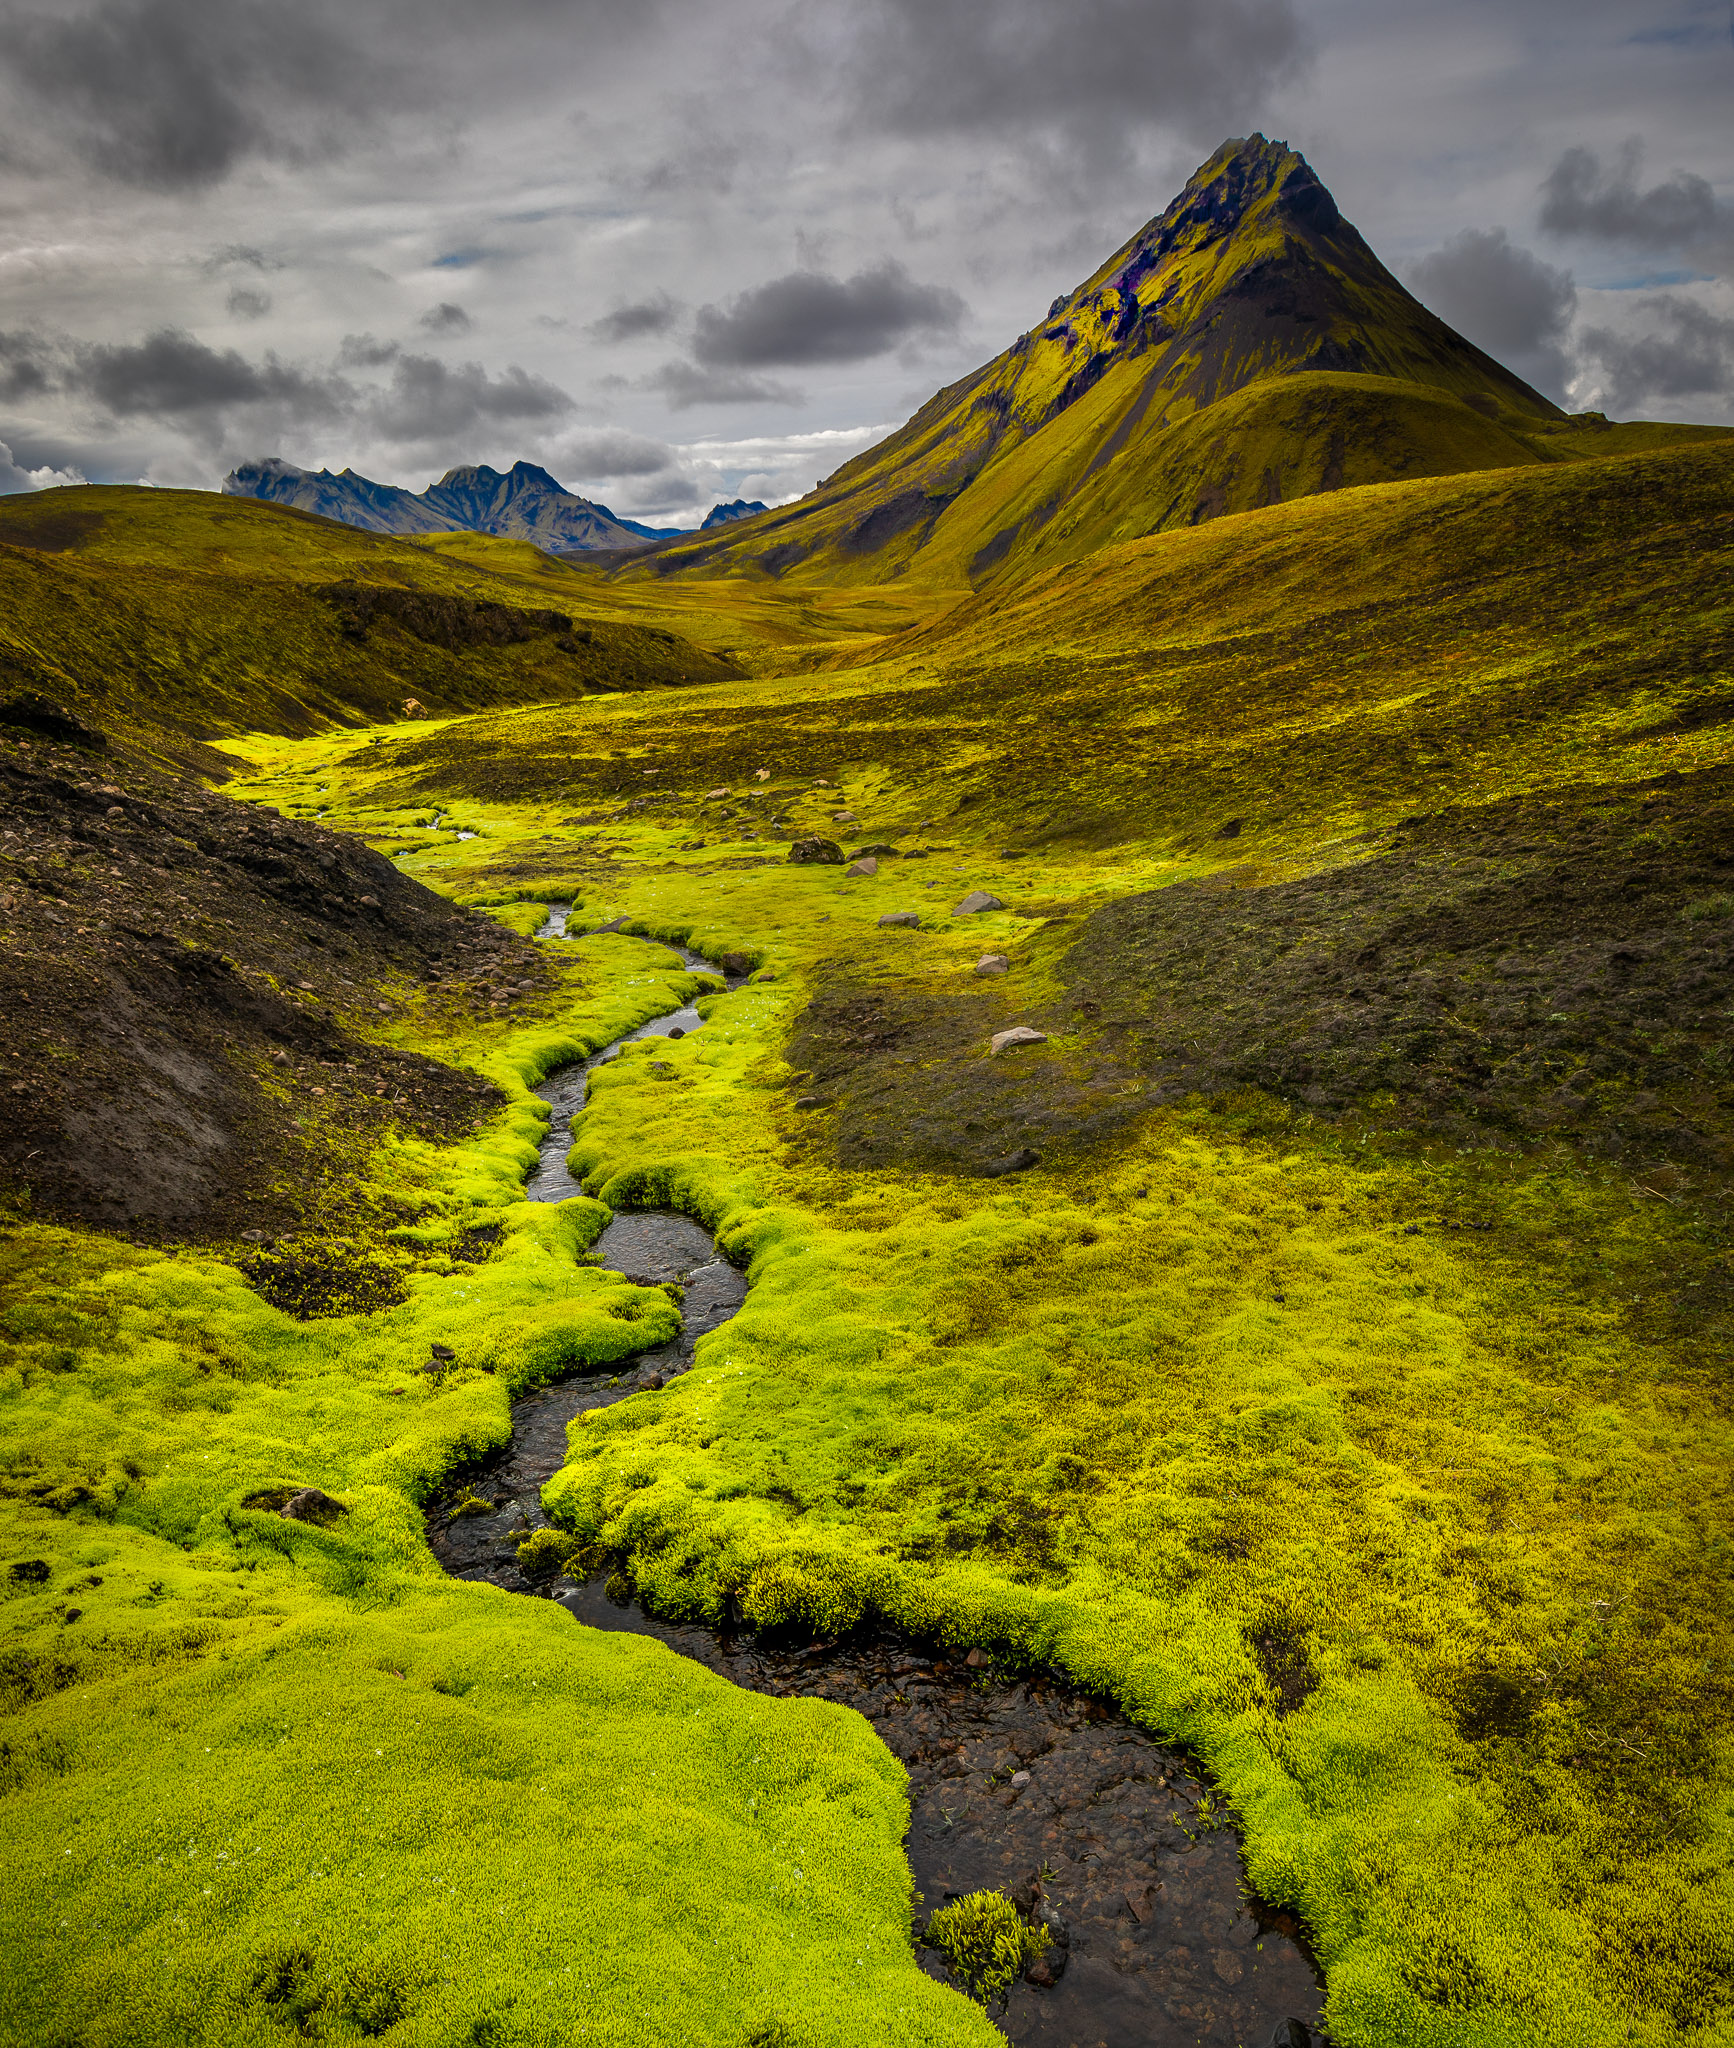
[{"x": 1030, "y": 1786}]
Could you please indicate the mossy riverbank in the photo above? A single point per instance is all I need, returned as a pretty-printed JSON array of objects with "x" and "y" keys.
[{"x": 1358, "y": 1426}]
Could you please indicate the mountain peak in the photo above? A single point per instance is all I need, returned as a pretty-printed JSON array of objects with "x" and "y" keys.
[{"x": 1249, "y": 299}]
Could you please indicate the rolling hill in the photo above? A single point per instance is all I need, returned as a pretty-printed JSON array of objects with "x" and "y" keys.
[
  {"x": 175, "y": 617},
  {"x": 1243, "y": 349}
]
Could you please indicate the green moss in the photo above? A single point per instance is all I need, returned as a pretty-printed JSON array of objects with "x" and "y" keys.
[
  {"x": 986, "y": 1941},
  {"x": 1390, "y": 1475}
]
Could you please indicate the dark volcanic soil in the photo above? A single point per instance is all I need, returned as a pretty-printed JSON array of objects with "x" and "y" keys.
[
  {"x": 186, "y": 988},
  {"x": 1554, "y": 968}
]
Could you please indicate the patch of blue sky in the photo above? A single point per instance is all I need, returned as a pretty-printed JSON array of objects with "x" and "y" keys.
[{"x": 1647, "y": 281}]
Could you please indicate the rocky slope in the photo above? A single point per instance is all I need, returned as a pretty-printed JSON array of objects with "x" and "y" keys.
[{"x": 191, "y": 991}]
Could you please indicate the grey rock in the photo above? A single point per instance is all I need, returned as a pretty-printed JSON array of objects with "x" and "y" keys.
[
  {"x": 310, "y": 1505},
  {"x": 869, "y": 866},
  {"x": 816, "y": 853},
  {"x": 976, "y": 901},
  {"x": 910, "y": 920},
  {"x": 1019, "y": 1034},
  {"x": 992, "y": 963}
]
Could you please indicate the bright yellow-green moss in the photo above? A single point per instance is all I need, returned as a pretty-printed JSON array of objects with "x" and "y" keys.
[
  {"x": 985, "y": 1942},
  {"x": 1229, "y": 1377},
  {"x": 269, "y": 1780}
]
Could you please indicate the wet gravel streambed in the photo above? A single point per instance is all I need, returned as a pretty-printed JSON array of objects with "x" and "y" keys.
[{"x": 1023, "y": 1785}]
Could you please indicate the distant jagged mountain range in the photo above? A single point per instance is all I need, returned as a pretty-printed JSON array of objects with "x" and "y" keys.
[
  {"x": 525, "y": 503},
  {"x": 1243, "y": 348}
]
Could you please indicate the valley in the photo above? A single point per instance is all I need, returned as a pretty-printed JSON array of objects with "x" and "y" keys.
[{"x": 1296, "y": 1360}]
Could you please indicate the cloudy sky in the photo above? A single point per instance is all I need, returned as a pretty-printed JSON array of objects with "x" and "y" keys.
[{"x": 679, "y": 250}]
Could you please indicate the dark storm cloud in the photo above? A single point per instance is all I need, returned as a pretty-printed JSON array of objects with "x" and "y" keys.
[
  {"x": 26, "y": 367},
  {"x": 1682, "y": 350},
  {"x": 808, "y": 317},
  {"x": 367, "y": 352},
  {"x": 1091, "y": 72},
  {"x": 445, "y": 318},
  {"x": 428, "y": 400},
  {"x": 246, "y": 304},
  {"x": 654, "y": 315},
  {"x": 686, "y": 384},
  {"x": 170, "y": 374},
  {"x": 615, "y": 454},
  {"x": 1583, "y": 196},
  {"x": 1505, "y": 300},
  {"x": 173, "y": 94}
]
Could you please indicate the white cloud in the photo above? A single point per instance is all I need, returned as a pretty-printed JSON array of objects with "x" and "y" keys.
[{"x": 14, "y": 479}]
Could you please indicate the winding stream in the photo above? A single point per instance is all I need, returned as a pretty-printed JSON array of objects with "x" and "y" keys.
[{"x": 1032, "y": 1786}]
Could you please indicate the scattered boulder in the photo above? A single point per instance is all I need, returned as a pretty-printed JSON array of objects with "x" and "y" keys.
[
  {"x": 735, "y": 965},
  {"x": 908, "y": 919},
  {"x": 842, "y": 817},
  {"x": 1019, "y": 1034},
  {"x": 876, "y": 853},
  {"x": 992, "y": 963},
  {"x": 310, "y": 1505},
  {"x": 710, "y": 793},
  {"x": 806, "y": 1102},
  {"x": 862, "y": 867},
  {"x": 816, "y": 853},
  {"x": 976, "y": 901}
]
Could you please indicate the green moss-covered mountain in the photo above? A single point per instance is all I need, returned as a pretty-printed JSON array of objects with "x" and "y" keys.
[{"x": 1244, "y": 348}]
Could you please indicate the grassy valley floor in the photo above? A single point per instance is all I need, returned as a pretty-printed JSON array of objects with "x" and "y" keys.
[{"x": 1319, "y": 1341}]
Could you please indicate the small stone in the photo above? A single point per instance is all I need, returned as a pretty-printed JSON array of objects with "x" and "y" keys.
[
  {"x": 869, "y": 866},
  {"x": 677, "y": 1032},
  {"x": 368, "y": 902},
  {"x": 1020, "y": 1777},
  {"x": 383, "y": 1008},
  {"x": 976, "y": 901},
  {"x": 766, "y": 976},
  {"x": 876, "y": 853},
  {"x": 1019, "y": 1034},
  {"x": 305, "y": 985},
  {"x": 816, "y": 853},
  {"x": 254, "y": 1236},
  {"x": 115, "y": 811},
  {"x": 842, "y": 817},
  {"x": 761, "y": 775},
  {"x": 310, "y": 1505},
  {"x": 908, "y": 920},
  {"x": 992, "y": 963},
  {"x": 977, "y": 1659},
  {"x": 734, "y": 965},
  {"x": 710, "y": 793},
  {"x": 443, "y": 1351},
  {"x": 806, "y": 1102}
]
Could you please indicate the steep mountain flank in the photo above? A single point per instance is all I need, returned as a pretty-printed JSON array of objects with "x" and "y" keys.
[{"x": 1243, "y": 348}]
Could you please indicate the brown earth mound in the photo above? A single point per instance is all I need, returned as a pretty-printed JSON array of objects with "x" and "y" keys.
[{"x": 187, "y": 988}]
